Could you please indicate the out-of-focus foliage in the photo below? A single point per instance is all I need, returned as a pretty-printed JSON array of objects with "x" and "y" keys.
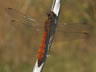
[{"x": 19, "y": 44}]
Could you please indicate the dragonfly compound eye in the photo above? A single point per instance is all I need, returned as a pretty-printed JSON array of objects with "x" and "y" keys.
[{"x": 51, "y": 14}]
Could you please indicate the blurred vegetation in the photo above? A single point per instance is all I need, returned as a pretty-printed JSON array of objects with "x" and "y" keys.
[{"x": 69, "y": 53}]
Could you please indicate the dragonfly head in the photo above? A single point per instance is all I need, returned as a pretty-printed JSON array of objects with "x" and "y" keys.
[{"x": 51, "y": 14}]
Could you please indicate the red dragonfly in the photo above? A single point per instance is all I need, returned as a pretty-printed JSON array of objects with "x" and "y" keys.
[{"x": 75, "y": 29}]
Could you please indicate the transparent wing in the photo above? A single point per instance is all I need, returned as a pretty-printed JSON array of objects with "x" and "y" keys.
[
  {"x": 21, "y": 19},
  {"x": 72, "y": 31},
  {"x": 25, "y": 26},
  {"x": 73, "y": 27},
  {"x": 18, "y": 15}
]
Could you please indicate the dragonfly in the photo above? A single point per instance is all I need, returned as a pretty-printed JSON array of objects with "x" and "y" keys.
[
  {"x": 35, "y": 25},
  {"x": 72, "y": 31}
]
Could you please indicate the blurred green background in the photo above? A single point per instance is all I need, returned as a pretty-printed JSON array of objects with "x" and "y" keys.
[{"x": 69, "y": 52}]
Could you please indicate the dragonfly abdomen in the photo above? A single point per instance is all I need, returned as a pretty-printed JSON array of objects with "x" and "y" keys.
[{"x": 42, "y": 49}]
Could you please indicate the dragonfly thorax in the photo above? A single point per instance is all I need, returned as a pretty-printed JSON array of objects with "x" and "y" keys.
[{"x": 49, "y": 21}]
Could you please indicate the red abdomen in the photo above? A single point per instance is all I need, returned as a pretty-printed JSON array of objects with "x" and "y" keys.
[{"x": 42, "y": 48}]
